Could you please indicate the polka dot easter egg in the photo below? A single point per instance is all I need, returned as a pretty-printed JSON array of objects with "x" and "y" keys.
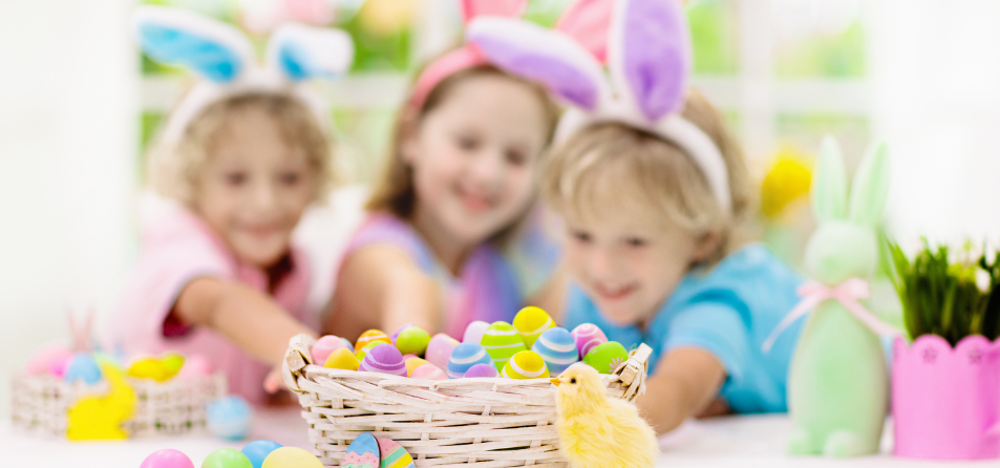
[
  {"x": 342, "y": 359},
  {"x": 393, "y": 455},
  {"x": 588, "y": 336},
  {"x": 326, "y": 345},
  {"x": 464, "y": 357},
  {"x": 606, "y": 357},
  {"x": 384, "y": 358},
  {"x": 525, "y": 365},
  {"x": 429, "y": 372},
  {"x": 439, "y": 350},
  {"x": 370, "y": 336},
  {"x": 413, "y": 363},
  {"x": 482, "y": 371},
  {"x": 474, "y": 332},
  {"x": 557, "y": 348},
  {"x": 291, "y": 457},
  {"x": 502, "y": 342},
  {"x": 362, "y": 453},
  {"x": 530, "y": 323},
  {"x": 412, "y": 340}
]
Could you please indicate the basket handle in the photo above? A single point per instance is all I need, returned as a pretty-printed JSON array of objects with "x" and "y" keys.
[
  {"x": 297, "y": 357},
  {"x": 632, "y": 372}
]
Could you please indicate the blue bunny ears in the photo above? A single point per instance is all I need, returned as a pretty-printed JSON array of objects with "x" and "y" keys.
[{"x": 224, "y": 58}]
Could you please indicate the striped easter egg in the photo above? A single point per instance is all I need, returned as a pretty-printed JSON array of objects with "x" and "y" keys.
[
  {"x": 363, "y": 452},
  {"x": 370, "y": 336},
  {"x": 384, "y": 358},
  {"x": 464, "y": 356},
  {"x": 326, "y": 345},
  {"x": 525, "y": 365},
  {"x": 587, "y": 337},
  {"x": 530, "y": 323},
  {"x": 393, "y": 455},
  {"x": 557, "y": 348},
  {"x": 502, "y": 342}
]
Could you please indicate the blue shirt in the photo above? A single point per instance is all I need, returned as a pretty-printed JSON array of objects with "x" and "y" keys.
[{"x": 728, "y": 311}]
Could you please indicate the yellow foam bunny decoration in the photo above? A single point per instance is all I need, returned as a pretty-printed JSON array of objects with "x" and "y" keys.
[{"x": 101, "y": 417}]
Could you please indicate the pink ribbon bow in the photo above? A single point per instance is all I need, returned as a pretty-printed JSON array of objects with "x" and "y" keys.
[{"x": 848, "y": 294}]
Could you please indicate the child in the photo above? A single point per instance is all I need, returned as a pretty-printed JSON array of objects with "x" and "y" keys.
[
  {"x": 436, "y": 251},
  {"x": 242, "y": 155},
  {"x": 652, "y": 198}
]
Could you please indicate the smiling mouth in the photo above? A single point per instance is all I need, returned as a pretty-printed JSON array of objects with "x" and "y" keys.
[
  {"x": 475, "y": 203},
  {"x": 616, "y": 293}
]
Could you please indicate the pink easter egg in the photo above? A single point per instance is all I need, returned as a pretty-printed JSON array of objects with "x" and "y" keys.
[
  {"x": 482, "y": 371},
  {"x": 326, "y": 346},
  {"x": 196, "y": 365},
  {"x": 42, "y": 361},
  {"x": 59, "y": 365},
  {"x": 410, "y": 356},
  {"x": 167, "y": 458},
  {"x": 439, "y": 350},
  {"x": 429, "y": 372},
  {"x": 384, "y": 358},
  {"x": 587, "y": 337}
]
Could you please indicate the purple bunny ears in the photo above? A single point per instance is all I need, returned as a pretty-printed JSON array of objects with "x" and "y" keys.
[{"x": 647, "y": 47}]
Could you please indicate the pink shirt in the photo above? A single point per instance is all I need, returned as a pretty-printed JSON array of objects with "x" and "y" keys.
[{"x": 175, "y": 249}]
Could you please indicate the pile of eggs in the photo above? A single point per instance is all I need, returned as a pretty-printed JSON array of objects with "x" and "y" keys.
[
  {"x": 532, "y": 347},
  {"x": 257, "y": 454},
  {"x": 59, "y": 361}
]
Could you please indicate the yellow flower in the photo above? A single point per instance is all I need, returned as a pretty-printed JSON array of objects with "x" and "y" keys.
[{"x": 787, "y": 180}]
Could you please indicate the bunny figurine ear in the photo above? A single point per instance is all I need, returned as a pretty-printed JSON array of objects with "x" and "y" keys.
[
  {"x": 650, "y": 55},
  {"x": 829, "y": 190},
  {"x": 472, "y": 9},
  {"x": 871, "y": 187},
  {"x": 589, "y": 23},
  {"x": 302, "y": 52},
  {"x": 215, "y": 50},
  {"x": 535, "y": 53}
]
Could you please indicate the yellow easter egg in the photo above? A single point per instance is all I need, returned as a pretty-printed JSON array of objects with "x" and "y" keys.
[
  {"x": 342, "y": 359},
  {"x": 531, "y": 322},
  {"x": 172, "y": 363},
  {"x": 412, "y": 364},
  {"x": 370, "y": 336},
  {"x": 291, "y": 457},
  {"x": 525, "y": 365}
]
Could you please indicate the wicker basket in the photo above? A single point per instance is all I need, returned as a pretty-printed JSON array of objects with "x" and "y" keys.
[
  {"x": 465, "y": 422},
  {"x": 171, "y": 408}
]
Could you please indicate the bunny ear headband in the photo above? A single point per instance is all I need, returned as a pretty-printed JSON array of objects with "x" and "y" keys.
[
  {"x": 225, "y": 59},
  {"x": 468, "y": 56},
  {"x": 647, "y": 47}
]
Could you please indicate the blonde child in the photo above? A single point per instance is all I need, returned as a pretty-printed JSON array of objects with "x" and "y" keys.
[
  {"x": 653, "y": 191},
  {"x": 241, "y": 157},
  {"x": 443, "y": 245}
]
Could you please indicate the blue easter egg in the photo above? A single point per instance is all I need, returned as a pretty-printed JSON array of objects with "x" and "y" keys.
[
  {"x": 83, "y": 367},
  {"x": 464, "y": 356},
  {"x": 229, "y": 418},
  {"x": 258, "y": 450},
  {"x": 557, "y": 347},
  {"x": 363, "y": 452}
]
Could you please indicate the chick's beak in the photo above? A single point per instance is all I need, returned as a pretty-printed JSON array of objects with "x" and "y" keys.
[{"x": 555, "y": 382}]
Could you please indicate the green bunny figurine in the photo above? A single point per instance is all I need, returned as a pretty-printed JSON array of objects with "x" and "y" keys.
[{"x": 838, "y": 383}]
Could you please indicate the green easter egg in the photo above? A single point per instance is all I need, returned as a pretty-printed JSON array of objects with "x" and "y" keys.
[
  {"x": 502, "y": 342},
  {"x": 226, "y": 458},
  {"x": 413, "y": 340},
  {"x": 606, "y": 357}
]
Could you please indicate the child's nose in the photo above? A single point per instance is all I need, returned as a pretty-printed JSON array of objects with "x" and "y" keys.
[
  {"x": 487, "y": 168},
  {"x": 265, "y": 196},
  {"x": 601, "y": 263}
]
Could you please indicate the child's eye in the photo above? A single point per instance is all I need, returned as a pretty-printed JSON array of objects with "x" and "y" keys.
[
  {"x": 235, "y": 178},
  {"x": 516, "y": 158},
  {"x": 290, "y": 178},
  {"x": 468, "y": 143},
  {"x": 635, "y": 242},
  {"x": 581, "y": 236}
]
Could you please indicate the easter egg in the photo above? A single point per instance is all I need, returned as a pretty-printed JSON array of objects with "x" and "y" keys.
[
  {"x": 60, "y": 364},
  {"x": 526, "y": 365},
  {"x": 393, "y": 455},
  {"x": 530, "y": 323},
  {"x": 464, "y": 357},
  {"x": 160, "y": 369},
  {"x": 368, "y": 347},
  {"x": 362, "y": 453},
  {"x": 342, "y": 359},
  {"x": 384, "y": 358},
  {"x": 258, "y": 450},
  {"x": 413, "y": 363},
  {"x": 413, "y": 340},
  {"x": 484, "y": 371},
  {"x": 226, "y": 458},
  {"x": 557, "y": 348},
  {"x": 370, "y": 336},
  {"x": 588, "y": 336},
  {"x": 326, "y": 345},
  {"x": 229, "y": 418},
  {"x": 502, "y": 342},
  {"x": 429, "y": 372},
  {"x": 292, "y": 457},
  {"x": 606, "y": 357},
  {"x": 172, "y": 363},
  {"x": 474, "y": 332},
  {"x": 196, "y": 365},
  {"x": 399, "y": 330},
  {"x": 439, "y": 350},
  {"x": 167, "y": 458},
  {"x": 41, "y": 362},
  {"x": 83, "y": 367}
]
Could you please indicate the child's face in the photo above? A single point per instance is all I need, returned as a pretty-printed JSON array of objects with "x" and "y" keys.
[
  {"x": 254, "y": 188},
  {"x": 474, "y": 157},
  {"x": 626, "y": 265}
]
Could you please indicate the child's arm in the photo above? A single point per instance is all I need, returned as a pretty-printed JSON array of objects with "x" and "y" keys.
[
  {"x": 380, "y": 286},
  {"x": 684, "y": 383}
]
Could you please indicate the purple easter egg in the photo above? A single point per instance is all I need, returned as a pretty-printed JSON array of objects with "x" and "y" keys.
[
  {"x": 587, "y": 337},
  {"x": 481, "y": 371},
  {"x": 384, "y": 358},
  {"x": 326, "y": 346}
]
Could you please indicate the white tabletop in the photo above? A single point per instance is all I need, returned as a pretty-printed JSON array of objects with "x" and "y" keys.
[{"x": 742, "y": 441}]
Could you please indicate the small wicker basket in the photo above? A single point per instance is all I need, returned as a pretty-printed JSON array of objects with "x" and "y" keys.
[
  {"x": 40, "y": 403},
  {"x": 465, "y": 422}
]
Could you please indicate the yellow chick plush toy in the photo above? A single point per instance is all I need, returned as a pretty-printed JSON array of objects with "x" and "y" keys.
[{"x": 596, "y": 431}]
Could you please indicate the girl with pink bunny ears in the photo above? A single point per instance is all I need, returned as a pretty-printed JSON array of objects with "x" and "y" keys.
[
  {"x": 653, "y": 192},
  {"x": 444, "y": 245},
  {"x": 239, "y": 158}
]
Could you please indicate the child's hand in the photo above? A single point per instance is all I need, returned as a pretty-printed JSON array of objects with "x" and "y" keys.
[{"x": 273, "y": 383}]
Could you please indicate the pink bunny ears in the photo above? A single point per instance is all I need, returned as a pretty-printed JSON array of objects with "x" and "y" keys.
[
  {"x": 646, "y": 45},
  {"x": 467, "y": 56}
]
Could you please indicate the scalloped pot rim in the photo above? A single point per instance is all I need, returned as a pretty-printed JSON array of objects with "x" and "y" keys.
[{"x": 928, "y": 341}]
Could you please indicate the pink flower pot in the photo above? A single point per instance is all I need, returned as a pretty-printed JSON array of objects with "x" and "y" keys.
[{"x": 946, "y": 402}]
